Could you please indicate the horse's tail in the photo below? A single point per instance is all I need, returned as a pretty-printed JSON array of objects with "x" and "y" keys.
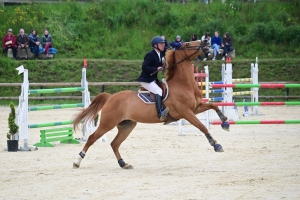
[{"x": 91, "y": 112}]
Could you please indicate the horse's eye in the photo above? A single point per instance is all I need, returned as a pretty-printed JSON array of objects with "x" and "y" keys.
[{"x": 187, "y": 44}]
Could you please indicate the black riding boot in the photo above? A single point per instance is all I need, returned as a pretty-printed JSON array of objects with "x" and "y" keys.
[{"x": 162, "y": 113}]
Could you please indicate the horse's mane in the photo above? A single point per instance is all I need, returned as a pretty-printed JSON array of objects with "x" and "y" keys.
[{"x": 171, "y": 64}]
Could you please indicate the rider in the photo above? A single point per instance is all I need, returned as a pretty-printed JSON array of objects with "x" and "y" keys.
[{"x": 152, "y": 64}]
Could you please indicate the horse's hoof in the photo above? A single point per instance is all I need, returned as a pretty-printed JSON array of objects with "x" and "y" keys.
[
  {"x": 127, "y": 166},
  {"x": 75, "y": 166},
  {"x": 225, "y": 126},
  {"x": 218, "y": 148}
]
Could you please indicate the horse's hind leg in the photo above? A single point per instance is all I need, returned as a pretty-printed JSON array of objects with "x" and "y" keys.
[
  {"x": 101, "y": 130},
  {"x": 202, "y": 107},
  {"x": 124, "y": 129}
]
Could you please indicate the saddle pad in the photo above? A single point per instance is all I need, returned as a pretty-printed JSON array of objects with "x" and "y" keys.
[{"x": 145, "y": 97}]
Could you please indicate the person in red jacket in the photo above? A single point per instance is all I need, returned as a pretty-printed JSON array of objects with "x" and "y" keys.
[{"x": 9, "y": 41}]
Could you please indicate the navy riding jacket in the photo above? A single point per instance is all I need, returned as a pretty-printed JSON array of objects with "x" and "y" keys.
[{"x": 150, "y": 65}]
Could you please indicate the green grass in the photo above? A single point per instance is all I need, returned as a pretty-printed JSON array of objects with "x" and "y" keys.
[
  {"x": 123, "y": 29},
  {"x": 114, "y": 37}
]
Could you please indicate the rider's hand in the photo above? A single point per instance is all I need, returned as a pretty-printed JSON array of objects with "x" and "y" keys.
[{"x": 160, "y": 69}]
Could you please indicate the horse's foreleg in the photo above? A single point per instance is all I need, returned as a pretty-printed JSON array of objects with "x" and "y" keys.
[
  {"x": 202, "y": 107},
  {"x": 124, "y": 129},
  {"x": 190, "y": 117},
  {"x": 101, "y": 130}
]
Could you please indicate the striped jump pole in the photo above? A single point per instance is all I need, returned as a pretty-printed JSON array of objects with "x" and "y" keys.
[
  {"x": 235, "y": 80},
  {"x": 55, "y": 90},
  {"x": 242, "y": 93},
  {"x": 47, "y": 124},
  {"x": 215, "y": 99},
  {"x": 204, "y": 83},
  {"x": 213, "y": 91},
  {"x": 293, "y": 103},
  {"x": 227, "y": 79},
  {"x": 243, "y": 122},
  {"x": 242, "y": 80},
  {"x": 34, "y": 108},
  {"x": 256, "y": 85}
]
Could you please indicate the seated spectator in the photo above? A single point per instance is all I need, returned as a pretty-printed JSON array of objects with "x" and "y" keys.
[
  {"x": 227, "y": 45},
  {"x": 195, "y": 38},
  {"x": 167, "y": 45},
  {"x": 34, "y": 43},
  {"x": 23, "y": 43},
  {"x": 177, "y": 43},
  {"x": 47, "y": 42},
  {"x": 207, "y": 39},
  {"x": 216, "y": 44},
  {"x": 9, "y": 42}
]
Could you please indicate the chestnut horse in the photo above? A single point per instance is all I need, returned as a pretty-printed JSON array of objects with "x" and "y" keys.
[{"x": 124, "y": 109}]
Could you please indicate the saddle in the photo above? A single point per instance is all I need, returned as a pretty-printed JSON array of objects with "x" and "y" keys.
[{"x": 149, "y": 97}]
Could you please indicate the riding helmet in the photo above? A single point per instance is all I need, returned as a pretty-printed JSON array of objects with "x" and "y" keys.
[{"x": 156, "y": 40}]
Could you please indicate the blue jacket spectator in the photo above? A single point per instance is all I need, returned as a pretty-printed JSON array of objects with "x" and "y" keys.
[
  {"x": 34, "y": 42},
  {"x": 177, "y": 43},
  {"x": 216, "y": 42}
]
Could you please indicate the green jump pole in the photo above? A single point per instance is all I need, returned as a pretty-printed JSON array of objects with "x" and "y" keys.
[
  {"x": 34, "y": 108},
  {"x": 42, "y": 91},
  {"x": 50, "y": 124}
]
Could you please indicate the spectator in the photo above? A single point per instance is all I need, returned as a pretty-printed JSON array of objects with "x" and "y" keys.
[
  {"x": 177, "y": 43},
  {"x": 195, "y": 38},
  {"x": 216, "y": 44},
  {"x": 9, "y": 42},
  {"x": 227, "y": 45},
  {"x": 206, "y": 38},
  {"x": 47, "y": 41},
  {"x": 34, "y": 43},
  {"x": 167, "y": 46},
  {"x": 22, "y": 41}
]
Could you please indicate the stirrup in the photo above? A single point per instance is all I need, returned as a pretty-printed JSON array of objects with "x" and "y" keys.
[{"x": 163, "y": 113}]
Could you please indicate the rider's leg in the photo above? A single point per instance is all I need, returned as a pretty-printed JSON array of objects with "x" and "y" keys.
[
  {"x": 161, "y": 113},
  {"x": 154, "y": 88}
]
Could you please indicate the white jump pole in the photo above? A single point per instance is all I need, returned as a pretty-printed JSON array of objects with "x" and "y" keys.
[
  {"x": 229, "y": 111},
  {"x": 254, "y": 96},
  {"x": 207, "y": 122},
  {"x": 22, "y": 110},
  {"x": 84, "y": 101},
  {"x": 88, "y": 128}
]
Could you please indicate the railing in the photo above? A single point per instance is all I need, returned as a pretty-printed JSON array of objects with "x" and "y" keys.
[{"x": 103, "y": 84}]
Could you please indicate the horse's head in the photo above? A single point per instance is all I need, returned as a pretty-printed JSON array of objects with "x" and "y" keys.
[
  {"x": 184, "y": 55},
  {"x": 190, "y": 50}
]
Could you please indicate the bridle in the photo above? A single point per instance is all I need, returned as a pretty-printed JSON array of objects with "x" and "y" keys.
[{"x": 186, "y": 47}]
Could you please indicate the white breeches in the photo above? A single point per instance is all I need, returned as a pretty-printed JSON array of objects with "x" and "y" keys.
[{"x": 152, "y": 87}]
